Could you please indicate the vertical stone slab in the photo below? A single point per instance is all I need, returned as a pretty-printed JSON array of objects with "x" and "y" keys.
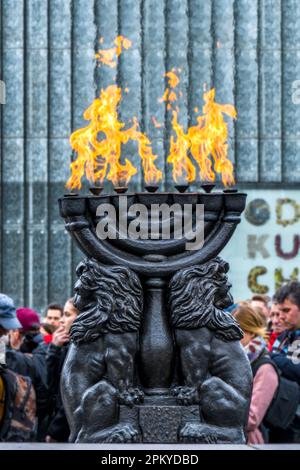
[
  {"x": 60, "y": 262},
  {"x": 200, "y": 50},
  {"x": 199, "y": 57},
  {"x": 60, "y": 121},
  {"x": 177, "y": 43},
  {"x": 270, "y": 102},
  {"x": 1, "y": 159},
  {"x": 83, "y": 59},
  {"x": 106, "y": 18},
  {"x": 13, "y": 150},
  {"x": 82, "y": 74},
  {"x": 36, "y": 223},
  {"x": 60, "y": 24},
  {"x": 36, "y": 151},
  {"x": 13, "y": 219},
  {"x": 224, "y": 62},
  {"x": 13, "y": 24},
  {"x": 247, "y": 90},
  {"x": 291, "y": 73},
  {"x": 129, "y": 76},
  {"x": 153, "y": 81}
]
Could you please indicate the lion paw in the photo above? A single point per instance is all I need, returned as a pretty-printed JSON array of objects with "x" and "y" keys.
[
  {"x": 123, "y": 433},
  {"x": 196, "y": 432},
  {"x": 186, "y": 395},
  {"x": 131, "y": 397}
]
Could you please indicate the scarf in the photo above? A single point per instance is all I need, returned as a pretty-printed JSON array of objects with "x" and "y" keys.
[
  {"x": 284, "y": 342},
  {"x": 255, "y": 348}
]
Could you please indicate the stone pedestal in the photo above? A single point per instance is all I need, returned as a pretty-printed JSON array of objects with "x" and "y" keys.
[{"x": 159, "y": 418}]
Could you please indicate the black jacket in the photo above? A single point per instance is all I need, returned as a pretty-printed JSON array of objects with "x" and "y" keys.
[
  {"x": 58, "y": 427},
  {"x": 33, "y": 366},
  {"x": 286, "y": 354}
]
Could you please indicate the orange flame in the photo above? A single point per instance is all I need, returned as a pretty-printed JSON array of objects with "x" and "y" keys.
[
  {"x": 207, "y": 138},
  {"x": 108, "y": 56},
  {"x": 183, "y": 169},
  {"x": 173, "y": 78},
  {"x": 151, "y": 174},
  {"x": 169, "y": 93},
  {"x": 98, "y": 145}
]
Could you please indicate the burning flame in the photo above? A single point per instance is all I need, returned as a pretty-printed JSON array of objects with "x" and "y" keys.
[
  {"x": 170, "y": 96},
  {"x": 207, "y": 138},
  {"x": 151, "y": 174},
  {"x": 108, "y": 56},
  {"x": 98, "y": 145},
  {"x": 183, "y": 169}
]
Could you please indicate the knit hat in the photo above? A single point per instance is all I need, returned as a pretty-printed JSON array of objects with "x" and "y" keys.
[
  {"x": 28, "y": 318},
  {"x": 8, "y": 319}
]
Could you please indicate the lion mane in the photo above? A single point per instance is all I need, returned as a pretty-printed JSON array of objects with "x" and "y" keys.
[
  {"x": 193, "y": 293},
  {"x": 110, "y": 299}
]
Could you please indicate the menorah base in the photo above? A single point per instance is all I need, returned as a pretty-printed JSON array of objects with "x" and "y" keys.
[
  {"x": 155, "y": 361},
  {"x": 159, "y": 418}
]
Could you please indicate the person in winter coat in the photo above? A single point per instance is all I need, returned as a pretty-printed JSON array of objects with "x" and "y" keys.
[
  {"x": 286, "y": 348},
  {"x": 58, "y": 430},
  {"x": 27, "y": 338},
  {"x": 265, "y": 380},
  {"x": 26, "y": 355},
  {"x": 17, "y": 395},
  {"x": 8, "y": 320}
]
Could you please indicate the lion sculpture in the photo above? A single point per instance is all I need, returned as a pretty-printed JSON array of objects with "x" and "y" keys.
[
  {"x": 214, "y": 370},
  {"x": 99, "y": 373}
]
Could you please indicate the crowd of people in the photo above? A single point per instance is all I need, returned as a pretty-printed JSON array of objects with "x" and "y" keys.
[
  {"x": 271, "y": 329},
  {"x": 36, "y": 350},
  {"x": 32, "y": 354}
]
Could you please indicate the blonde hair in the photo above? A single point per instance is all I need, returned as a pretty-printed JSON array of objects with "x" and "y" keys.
[{"x": 250, "y": 320}]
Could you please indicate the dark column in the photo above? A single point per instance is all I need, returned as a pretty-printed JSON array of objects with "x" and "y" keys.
[{"x": 157, "y": 346}]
